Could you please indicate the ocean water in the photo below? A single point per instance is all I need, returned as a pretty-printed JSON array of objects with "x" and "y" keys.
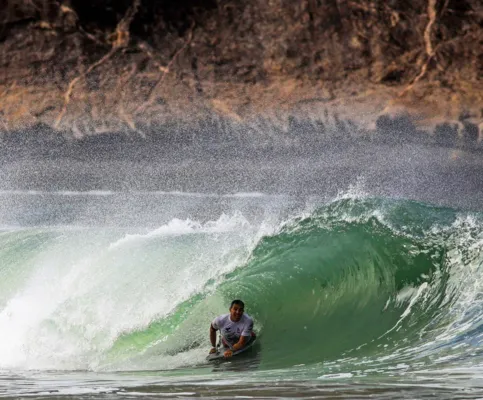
[{"x": 110, "y": 294}]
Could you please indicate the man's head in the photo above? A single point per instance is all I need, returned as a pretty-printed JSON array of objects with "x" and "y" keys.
[{"x": 236, "y": 310}]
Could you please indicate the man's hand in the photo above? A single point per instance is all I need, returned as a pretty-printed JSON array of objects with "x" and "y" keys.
[
  {"x": 235, "y": 347},
  {"x": 213, "y": 350}
]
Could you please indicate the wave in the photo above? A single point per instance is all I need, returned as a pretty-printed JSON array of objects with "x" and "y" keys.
[{"x": 374, "y": 282}]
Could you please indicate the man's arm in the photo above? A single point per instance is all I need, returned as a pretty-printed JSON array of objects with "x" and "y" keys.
[
  {"x": 213, "y": 337},
  {"x": 244, "y": 338},
  {"x": 239, "y": 345}
]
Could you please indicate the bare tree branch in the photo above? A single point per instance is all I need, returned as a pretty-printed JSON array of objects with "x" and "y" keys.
[
  {"x": 70, "y": 88},
  {"x": 428, "y": 30},
  {"x": 445, "y": 7},
  {"x": 428, "y": 46},
  {"x": 120, "y": 39},
  {"x": 123, "y": 80},
  {"x": 121, "y": 35},
  {"x": 165, "y": 71}
]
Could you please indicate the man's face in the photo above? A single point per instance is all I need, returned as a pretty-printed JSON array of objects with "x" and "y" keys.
[{"x": 236, "y": 312}]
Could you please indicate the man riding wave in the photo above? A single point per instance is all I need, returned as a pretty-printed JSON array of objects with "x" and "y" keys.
[{"x": 236, "y": 329}]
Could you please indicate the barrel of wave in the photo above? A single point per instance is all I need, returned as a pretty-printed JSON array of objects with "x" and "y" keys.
[{"x": 318, "y": 292}]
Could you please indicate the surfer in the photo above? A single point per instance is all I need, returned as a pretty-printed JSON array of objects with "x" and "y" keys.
[{"x": 236, "y": 329}]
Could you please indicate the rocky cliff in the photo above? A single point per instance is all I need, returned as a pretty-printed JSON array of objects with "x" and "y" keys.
[{"x": 91, "y": 66}]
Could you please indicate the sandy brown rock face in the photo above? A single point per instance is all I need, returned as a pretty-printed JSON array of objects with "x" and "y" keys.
[{"x": 104, "y": 65}]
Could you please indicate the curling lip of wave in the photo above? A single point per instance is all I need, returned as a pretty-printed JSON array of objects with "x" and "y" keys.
[{"x": 177, "y": 227}]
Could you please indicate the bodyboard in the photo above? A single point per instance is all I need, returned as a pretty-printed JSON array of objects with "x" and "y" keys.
[{"x": 220, "y": 351}]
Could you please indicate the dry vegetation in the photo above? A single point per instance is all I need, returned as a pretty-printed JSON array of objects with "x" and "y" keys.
[{"x": 94, "y": 65}]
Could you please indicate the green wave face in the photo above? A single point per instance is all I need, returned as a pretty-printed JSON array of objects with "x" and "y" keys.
[{"x": 326, "y": 285}]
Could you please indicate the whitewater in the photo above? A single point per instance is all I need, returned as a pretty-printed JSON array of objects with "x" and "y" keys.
[{"x": 367, "y": 291}]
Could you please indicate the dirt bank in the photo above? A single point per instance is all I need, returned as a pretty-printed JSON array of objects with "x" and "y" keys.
[{"x": 83, "y": 67}]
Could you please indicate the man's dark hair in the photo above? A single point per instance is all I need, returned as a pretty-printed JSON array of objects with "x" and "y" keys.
[{"x": 238, "y": 303}]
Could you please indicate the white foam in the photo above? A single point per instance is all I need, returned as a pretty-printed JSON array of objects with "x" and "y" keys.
[
  {"x": 178, "y": 227},
  {"x": 354, "y": 191},
  {"x": 342, "y": 375},
  {"x": 88, "y": 287}
]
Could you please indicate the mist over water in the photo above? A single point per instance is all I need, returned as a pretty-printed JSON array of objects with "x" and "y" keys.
[{"x": 361, "y": 267}]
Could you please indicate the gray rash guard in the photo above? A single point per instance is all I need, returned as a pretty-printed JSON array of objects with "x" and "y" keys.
[{"x": 231, "y": 330}]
